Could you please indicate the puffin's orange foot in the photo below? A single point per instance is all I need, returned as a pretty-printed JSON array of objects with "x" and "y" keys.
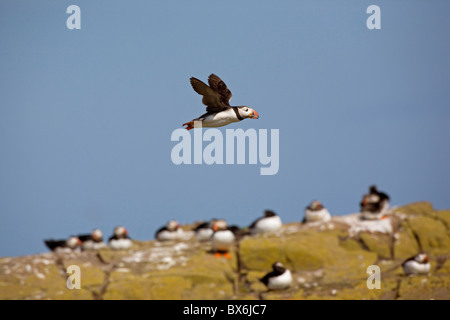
[
  {"x": 190, "y": 125},
  {"x": 222, "y": 254}
]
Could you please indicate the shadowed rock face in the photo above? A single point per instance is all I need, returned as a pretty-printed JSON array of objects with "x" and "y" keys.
[{"x": 327, "y": 260}]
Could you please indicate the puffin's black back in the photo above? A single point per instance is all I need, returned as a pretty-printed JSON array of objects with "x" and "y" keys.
[
  {"x": 85, "y": 237},
  {"x": 374, "y": 190},
  {"x": 203, "y": 225},
  {"x": 53, "y": 244},
  {"x": 277, "y": 270}
]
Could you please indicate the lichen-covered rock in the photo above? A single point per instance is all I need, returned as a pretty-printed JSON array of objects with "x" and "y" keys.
[
  {"x": 253, "y": 259},
  {"x": 422, "y": 287},
  {"x": 36, "y": 277},
  {"x": 444, "y": 216},
  {"x": 416, "y": 208},
  {"x": 327, "y": 261},
  {"x": 378, "y": 243},
  {"x": 431, "y": 233},
  {"x": 405, "y": 244}
]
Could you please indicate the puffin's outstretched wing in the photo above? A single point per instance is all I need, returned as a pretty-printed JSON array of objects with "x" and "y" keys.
[
  {"x": 221, "y": 88},
  {"x": 211, "y": 98}
]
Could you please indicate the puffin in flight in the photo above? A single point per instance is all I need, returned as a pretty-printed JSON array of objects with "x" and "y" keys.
[{"x": 217, "y": 97}]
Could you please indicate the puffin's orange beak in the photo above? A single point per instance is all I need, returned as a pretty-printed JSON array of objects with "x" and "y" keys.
[{"x": 254, "y": 115}]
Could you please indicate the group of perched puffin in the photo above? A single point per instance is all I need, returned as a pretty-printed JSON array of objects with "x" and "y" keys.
[
  {"x": 92, "y": 241},
  {"x": 373, "y": 206},
  {"x": 281, "y": 278},
  {"x": 223, "y": 237}
]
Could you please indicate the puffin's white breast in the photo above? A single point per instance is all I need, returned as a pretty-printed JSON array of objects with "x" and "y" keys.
[
  {"x": 319, "y": 215},
  {"x": 414, "y": 267},
  {"x": 267, "y": 224},
  {"x": 222, "y": 240},
  {"x": 282, "y": 281},
  {"x": 92, "y": 245},
  {"x": 169, "y": 235},
  {"x": 119, "y": 244},
  {"x": 367, "y": 215},
  {"x": 220, "y": 119},
  {"x": 204, "y": 234}
]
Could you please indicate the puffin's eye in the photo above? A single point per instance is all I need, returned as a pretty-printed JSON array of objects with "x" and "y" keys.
[{"x": 246, "y": 109}]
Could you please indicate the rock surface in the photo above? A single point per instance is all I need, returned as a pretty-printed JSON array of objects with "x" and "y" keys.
[{"x": 327, "y": 260}]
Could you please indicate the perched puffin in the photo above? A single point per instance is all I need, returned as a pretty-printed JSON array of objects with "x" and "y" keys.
[
  {"x": 204, "y": 230},
  {"x": 120, "y": 240},
  {"x": 223, "y": 238},
  {"x": 217, "y": 97},
  {"x": 93, "y": 241},
  {"x": 280, "y": 278},
  {"x": 374, "y": 204},
  {"x": 72, "y": 244},
  {"x": 269, "y": 223},
  {"x": 419, "y": 264},
  {"x": 316, "y": 212},
  {"x": 171, "y": 231},
  {"x": 383, "y": 197}
]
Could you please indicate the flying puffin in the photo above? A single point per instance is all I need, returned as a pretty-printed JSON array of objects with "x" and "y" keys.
[
  {"x": 120, "y": 240},
  {"x": 223, "y": 238},
  {"x": 217, "y": 97},
  {"x": 280, "y": 278},
  {"x": 419, "y": 264},
  {"x": 269, "y": 223},
  {"x": 374, "y": 204},
  {"x": 171, "y": 231},
  {"x": 316, "y": 212},
  {"x": 71, "y": 244},
  {"x": 93, "y": 241}
]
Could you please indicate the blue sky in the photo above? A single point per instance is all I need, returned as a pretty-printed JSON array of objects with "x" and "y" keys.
[{"x": 86, "y": 116}]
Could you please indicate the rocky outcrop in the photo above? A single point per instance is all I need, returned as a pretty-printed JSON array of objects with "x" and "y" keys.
[{"x": 327, "y": 260}]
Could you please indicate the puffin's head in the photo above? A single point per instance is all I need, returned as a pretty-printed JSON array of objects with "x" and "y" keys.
[
  {"x": 97, "y": 235},
  {"x": 269, "y": 213},
  {"x": 120, "y": 232},
  {"x": 370, "y": 199},
  {"x": 172, "y": 225},
  {"x": 219, "y": 224},
  {"x": 422, "y": 258},
  {"x": 73, "y": 242},
  {"x": 278, "y": 266},
  {"x": 316, "y": 205},
  {"x": 248, "y": 112}
]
